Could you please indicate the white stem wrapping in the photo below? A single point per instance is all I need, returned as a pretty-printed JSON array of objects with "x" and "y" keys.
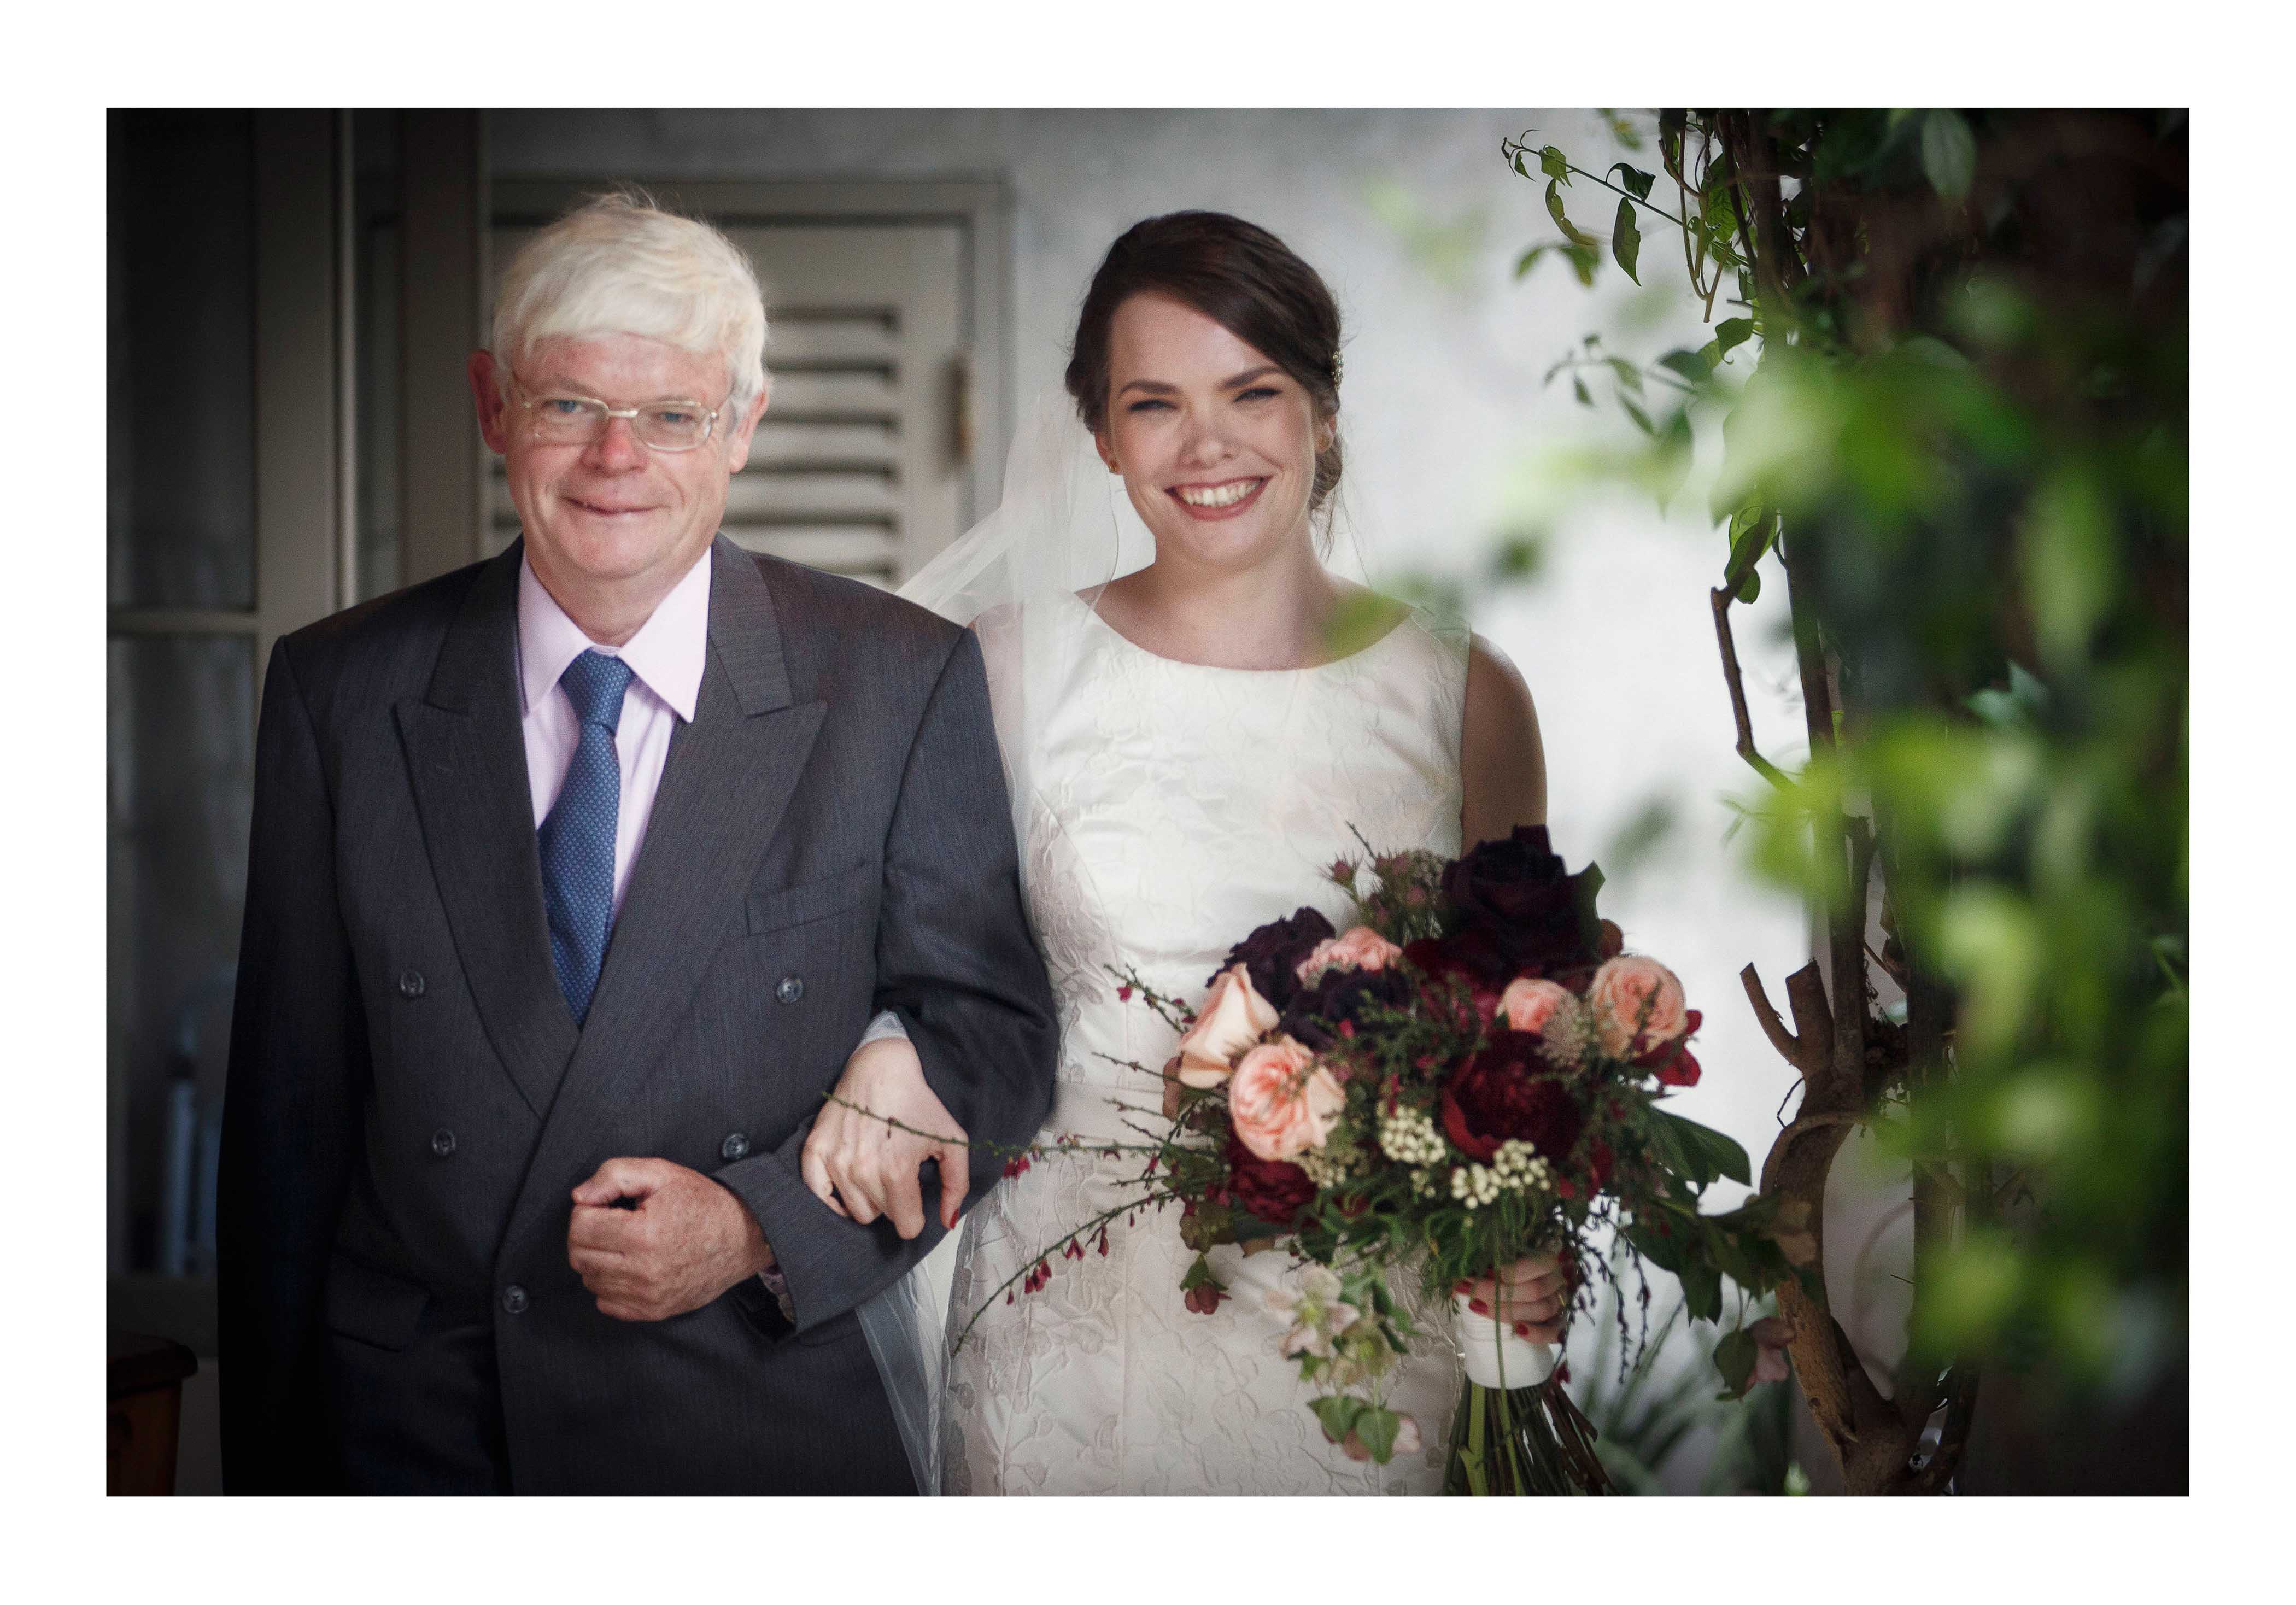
[{"x": 1495, "y": 1357}]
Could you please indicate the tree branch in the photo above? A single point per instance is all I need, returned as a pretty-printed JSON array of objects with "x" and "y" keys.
[
  {"x": 1772, "y": 1027},
  {"x": 1735, "y": 679}
]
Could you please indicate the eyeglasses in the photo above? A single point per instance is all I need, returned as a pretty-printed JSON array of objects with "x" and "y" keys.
[{"x": 662, "y": 426}]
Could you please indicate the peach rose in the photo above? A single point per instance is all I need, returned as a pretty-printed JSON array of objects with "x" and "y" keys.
[
  {"x": 1358, "y": 947},
  {"x": 1282, "y": 1102},
  {"x": 1527, "y": 1005},
  {"x": 1233, "y": 1018},
  {"x": 1633, "y": 995}
]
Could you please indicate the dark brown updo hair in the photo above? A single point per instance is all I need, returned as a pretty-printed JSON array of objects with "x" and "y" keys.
[{"x": 1244, "y": 279}]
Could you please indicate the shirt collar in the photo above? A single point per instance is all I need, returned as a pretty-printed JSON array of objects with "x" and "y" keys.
[{"x": 667, "y": 652}]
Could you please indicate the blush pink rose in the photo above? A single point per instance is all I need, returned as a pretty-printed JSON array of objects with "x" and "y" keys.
[
  {"x": 1771, "y": 1335},
  {"x": 1358, "y": 947},
  {"x": 1233, "y": 1019},
  {"x": 1282, "y": 1102},
  {"x": 1633, "y": 993},
  {"x": 1527, "y": 1005}
]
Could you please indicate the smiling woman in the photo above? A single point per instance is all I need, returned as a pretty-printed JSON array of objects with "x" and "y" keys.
[{"x": 1191, "y": 744}]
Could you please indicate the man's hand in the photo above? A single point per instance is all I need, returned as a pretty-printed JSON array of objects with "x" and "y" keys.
[
  {"x": 688, "y": 1242},
  {"x": 863, "y": 1168}
]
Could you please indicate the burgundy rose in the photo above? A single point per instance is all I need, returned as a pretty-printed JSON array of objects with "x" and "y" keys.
[
  {"x": 1674, "y": 1064},
  {"x": 1508, "y": 1092},
  {"x": 1342, "y": 997},
  {"x": 1272, "y": 953},
  {"x": 1271, "y": 1191},
  {"x": 1471, "y": 958},
  {"x": 1518, "y": 892}
]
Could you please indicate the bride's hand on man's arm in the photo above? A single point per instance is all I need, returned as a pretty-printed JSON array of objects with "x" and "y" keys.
[
  {"x": 1531, "y": 1295},
  {"x": 863, "y": 1168}
]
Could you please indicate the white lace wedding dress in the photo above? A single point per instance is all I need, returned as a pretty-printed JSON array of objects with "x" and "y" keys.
[{"x": 1176, "y": 808}]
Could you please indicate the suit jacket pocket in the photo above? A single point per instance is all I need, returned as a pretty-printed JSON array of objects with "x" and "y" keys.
[
  {"x": 372, "y": 1306},
  {"x": 811, "y": 899}
]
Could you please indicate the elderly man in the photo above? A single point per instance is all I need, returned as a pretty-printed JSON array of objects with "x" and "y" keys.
[{"x": 576, "y": 875}]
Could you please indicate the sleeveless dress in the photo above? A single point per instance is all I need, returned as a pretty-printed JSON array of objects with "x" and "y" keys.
[{"x": 1176, "y": 807}]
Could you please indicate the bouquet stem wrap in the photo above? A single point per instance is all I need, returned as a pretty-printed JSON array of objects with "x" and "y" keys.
[{"x": 1494, "y": 1356}]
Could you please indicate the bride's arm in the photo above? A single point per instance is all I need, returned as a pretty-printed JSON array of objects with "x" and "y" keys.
[
  {"x": 862, "y": 1166},
  {"x": 1502, "y": 768},
  {"x": 1503, "y": 777}
]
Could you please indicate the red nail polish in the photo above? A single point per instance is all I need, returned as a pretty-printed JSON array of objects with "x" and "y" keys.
[
  {"x": 1462, "y": 1286},
  {"x": 1479, "y": 1307},
  {"x": 1522, "y": 1328}
]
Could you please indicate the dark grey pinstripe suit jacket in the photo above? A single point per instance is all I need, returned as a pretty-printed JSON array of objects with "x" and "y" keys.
[{"x": 835, "y": 813}]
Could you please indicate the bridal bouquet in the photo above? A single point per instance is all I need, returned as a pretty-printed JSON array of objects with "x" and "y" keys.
[{"x": 1470, "y": 1073}]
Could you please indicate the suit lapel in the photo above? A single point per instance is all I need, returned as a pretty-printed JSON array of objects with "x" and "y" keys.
[
  {"x": 729, "y": 780},
  {"x": 466, "y": 758}
]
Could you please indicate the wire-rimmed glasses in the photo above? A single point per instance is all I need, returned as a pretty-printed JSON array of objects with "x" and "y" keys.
[{"x": 662, "y": 426}]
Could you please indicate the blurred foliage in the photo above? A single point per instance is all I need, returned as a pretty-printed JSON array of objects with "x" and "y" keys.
[
  {"x": 1948, "y": 364},
  {"x": 1659, "y": 1406}
]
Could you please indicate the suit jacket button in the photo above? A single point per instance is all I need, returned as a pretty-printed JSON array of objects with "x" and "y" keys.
[
  {"x": 792, "y": 987},
  {"x": 410, "y": 983},
  {"x": 514, "y": 1299},
  {"x": 735, "y": 1146},
  {"x": 442, "y": 1141}
]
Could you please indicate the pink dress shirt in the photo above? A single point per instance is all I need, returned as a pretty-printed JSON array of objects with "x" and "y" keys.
[{"x": 665, "y": 658}]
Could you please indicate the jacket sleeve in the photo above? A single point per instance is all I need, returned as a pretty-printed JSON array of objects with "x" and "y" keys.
[
  {"x": 956, "y": 962},
  {"x": 298, "y": 1073}
]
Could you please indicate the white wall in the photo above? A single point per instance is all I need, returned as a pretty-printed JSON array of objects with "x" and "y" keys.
[{"x": 1417, "y": 224}]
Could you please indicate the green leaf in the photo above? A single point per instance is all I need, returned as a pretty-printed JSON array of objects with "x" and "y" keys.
[
  {"x": 1636, "y": 183},
  {"x": 1377, "y": 1429},
  {"x": 1664, "y": 1251},
  {"x": 1338, "y": 1413},
  {"x": 1748, "y": 542},
  {"x": 1519, "y": 167},
  {"x": 1701, "y": 1288},
  {"x": 1578, "y": 389},
  {"x": 1732, "y": 332},
  {"x": 1582, "y": 258},
  {"x": 1751, "y": 586},
  {"x": 1948, "y": 153},
  {"x": 1641, "y": 418},
  {"x": 1571, "y": 231},
  {"x": 1688, "y": 365},
  {"x": 1555, "y": 164},
  {"x": 1712, "y": 352},
  {"x": 1708, "y": 1152},
  {"x": 1627, "y": 239},
  {"x": 1734, "y": 1358},
  {"x": 1629, "y": 374}
]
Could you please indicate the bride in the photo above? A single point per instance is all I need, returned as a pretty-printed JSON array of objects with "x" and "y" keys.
[{"x": 1187, "y": 751}]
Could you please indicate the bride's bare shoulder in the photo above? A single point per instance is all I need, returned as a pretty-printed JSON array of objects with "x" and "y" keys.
[{"x": 1502, "y": 766}]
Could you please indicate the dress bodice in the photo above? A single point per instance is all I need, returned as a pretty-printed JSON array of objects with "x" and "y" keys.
[
  {"x": 1167, "y": 809},
  {"x": 1176, "y": 806}
]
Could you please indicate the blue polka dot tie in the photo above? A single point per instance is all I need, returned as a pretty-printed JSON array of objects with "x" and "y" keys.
[{"x": 578, "y": 838}]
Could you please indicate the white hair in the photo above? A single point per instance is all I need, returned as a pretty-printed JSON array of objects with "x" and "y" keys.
[{"x": 621, "y": 264}]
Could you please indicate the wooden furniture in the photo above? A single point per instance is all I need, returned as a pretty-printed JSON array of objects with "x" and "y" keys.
[{"x": 147, "y": 1403}]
